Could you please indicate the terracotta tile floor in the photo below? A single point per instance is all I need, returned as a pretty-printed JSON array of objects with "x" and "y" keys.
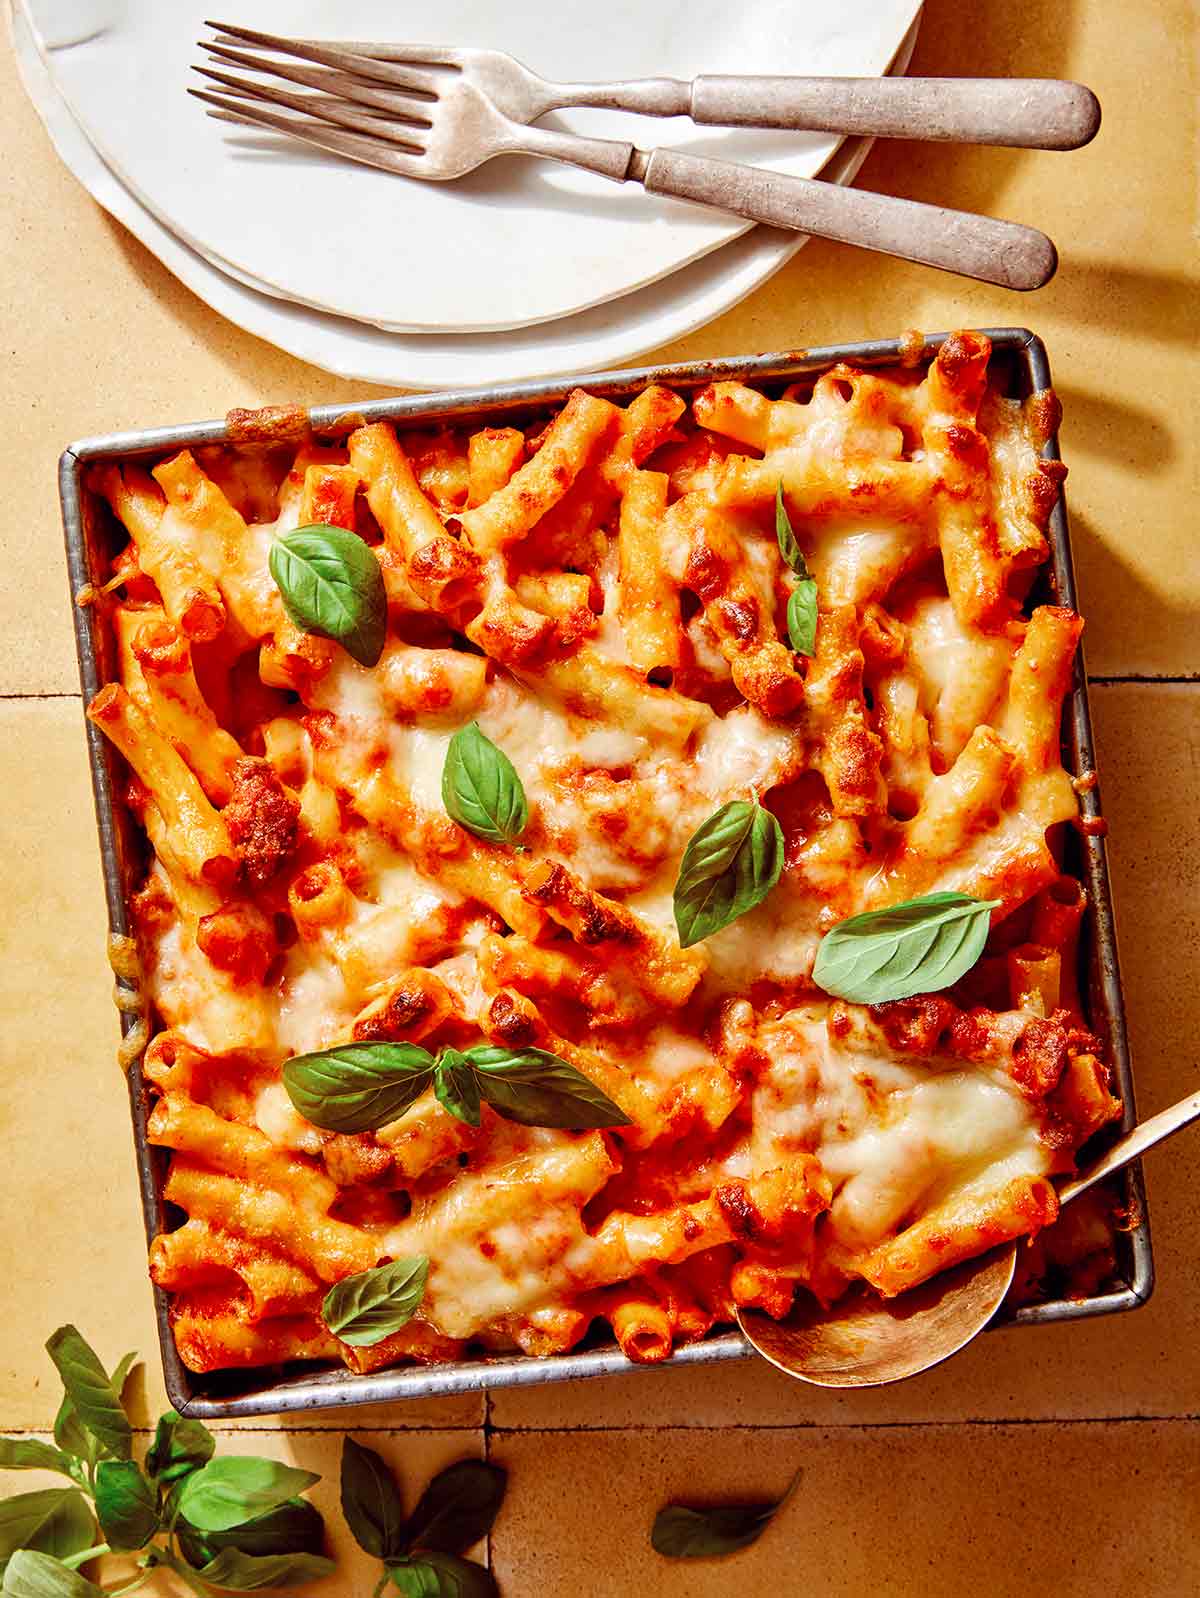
[{"x": 1062, "y": 1460}]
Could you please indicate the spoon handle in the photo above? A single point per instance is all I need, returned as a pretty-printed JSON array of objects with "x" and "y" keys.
[{"x": 1147, "y": 1135}]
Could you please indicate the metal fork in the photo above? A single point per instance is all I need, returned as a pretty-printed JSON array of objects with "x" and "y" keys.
[
  {"x": 1032, "y": 113},
  {"x": 429, "y": 122}
]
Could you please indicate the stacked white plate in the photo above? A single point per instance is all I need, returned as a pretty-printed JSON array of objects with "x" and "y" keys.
[{"x": 523, "y": 269}]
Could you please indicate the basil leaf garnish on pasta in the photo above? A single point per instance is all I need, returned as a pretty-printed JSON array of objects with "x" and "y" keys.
[
  {"x": 802, "y": 603},
  {"x": 536, "y": 1088},
  {"x": 436, "y": 1575},
  {"x": 481, "y": 789},
  {"x": 786, "y": 538},
  {"x": 730, "y": 864},
  {"x": 95, "y": 1399},
  {"x": 229, "y": 1492},
  {"x": 371, "y": 1502},
  {"x": 364, "y": 1309},
  {"x": 918, "y": 946},
  {"x": 331, "y": 584},
  {"x": 802, "y": 617},
  {"x": 35, "y": 1575},
  {"x": 458, "y": 1507},
  {"x": 456, "y": 1087},
  {"x": 126, "y": 1504},
  {"x": 357, "y": 1087},
  {"x": 680, "y": 1532}
]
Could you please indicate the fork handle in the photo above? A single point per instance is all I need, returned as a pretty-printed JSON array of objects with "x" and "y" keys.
[
  {"x": 1032, "y": 113},
  {"x": 1005, "y": 253}
]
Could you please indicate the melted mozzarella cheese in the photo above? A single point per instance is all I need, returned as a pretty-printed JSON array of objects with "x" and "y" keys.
[
  {"x": 203, "y": 1003},
  {"x": 895, "y": 1134},
  {"x": 277, "y": 1117},
  {"x": 498, "y": 1238},
  {"x": 854, "y": 562},
  {"x": 963, "y": 673},
  {"x": 313, "y": 1005}
]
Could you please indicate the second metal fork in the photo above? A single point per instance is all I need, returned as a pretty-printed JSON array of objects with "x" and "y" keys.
[{"x": 421, "y": 122}]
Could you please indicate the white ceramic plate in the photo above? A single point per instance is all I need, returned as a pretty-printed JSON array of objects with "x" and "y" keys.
[
  {"x": 585, "y": 342},
  {"x": 516, "y": 243}
]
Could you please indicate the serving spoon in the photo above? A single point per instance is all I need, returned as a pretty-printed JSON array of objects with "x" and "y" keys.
[{"x": 868, "y": 1341}]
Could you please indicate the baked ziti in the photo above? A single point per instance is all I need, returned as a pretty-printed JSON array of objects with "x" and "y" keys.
[{"x": 604, "y": 869}]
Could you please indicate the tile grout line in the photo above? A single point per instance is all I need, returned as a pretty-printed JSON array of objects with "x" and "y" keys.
[
  {"x": 492, "y": 1431},
  {"x": 1187, "y": 1418}
]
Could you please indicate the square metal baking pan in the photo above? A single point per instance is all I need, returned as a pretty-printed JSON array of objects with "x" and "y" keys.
[{"x": 1021, "y": 358}]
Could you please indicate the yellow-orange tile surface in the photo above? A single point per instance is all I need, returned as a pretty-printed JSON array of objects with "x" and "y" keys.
[{"x": 950, "y": 1483}]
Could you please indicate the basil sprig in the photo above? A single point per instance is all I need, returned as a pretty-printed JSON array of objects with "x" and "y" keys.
[
  {"x": 681, "y": 1532},
  {"x": 802, "y": 602},
  {"x": 230, "y": 1491},
  {"x": 919, "y": 946},
  {"x": 365, "y": 1308},
  {"x": 359, "y": 1087},
  {"x": 481, "y": 789},
  {"x": 93, "y": 1396},
  {"x": 220, "y": 1524},
  {"x": 126, "y": 1505},
  {"x": 291, "y": 1528},
  {"x": 331, "y": 584},
  {"x": 422, "y": 1555},
  {"x": 730, "y": 864}
]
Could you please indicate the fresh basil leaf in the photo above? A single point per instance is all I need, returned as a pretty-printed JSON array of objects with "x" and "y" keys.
[
  {"x": 455, "y": 1086},
  {"x": 35, "y": 1575},
  {"x": 96, "y": 1401},
  {"x": 357, "y": 1087},
  {"x": 230, "y": 1491},
  {"x": 536, "y": 1088},
  {"x": 731, "y": 863},
  {"x": 435, "y": 1575},
  {"x": 125, "y": 1504},
  {"x": 75, "y": 1440},
  {"x": 457, "y": 1508},
  {"x": 919, "y": 946},
  {"x": 481, "y": 789},
  {"x": 54, "y": 1521},
  {"x": 121, "y": 1374},
  {"x": 364, "y": 1309},
  {"x": 802, "y": 617},
  {"x": 73, "y": 1437},
  {"x": 371, "y": 1502},
  {"x": 293, "y": 1528},
  {"x": 331, "y": 584},
  {"x": 786, "y": 538},
  {"x": 239, "y": 1572},
  {"x": 681, "y": 1532},
  {"x": 179, "y": 1446},
  {"x": 27, "y": 1453}
]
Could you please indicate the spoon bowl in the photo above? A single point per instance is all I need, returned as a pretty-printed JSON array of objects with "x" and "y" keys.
[{"x": 868, "y": 1341}]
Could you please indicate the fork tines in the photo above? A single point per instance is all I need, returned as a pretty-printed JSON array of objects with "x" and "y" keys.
[
  {"x": 393, "y": 156},
  {"x": 418, "y": 74}
]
